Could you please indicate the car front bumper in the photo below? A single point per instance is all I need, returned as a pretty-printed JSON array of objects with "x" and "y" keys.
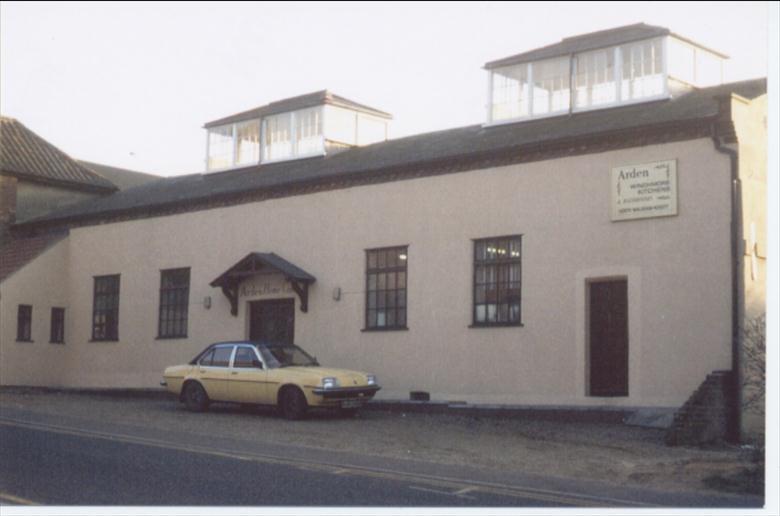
[{"x": 347, "y": 393}]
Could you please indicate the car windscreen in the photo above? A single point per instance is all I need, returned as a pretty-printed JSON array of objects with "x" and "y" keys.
[{"x": 285, "y": 356}]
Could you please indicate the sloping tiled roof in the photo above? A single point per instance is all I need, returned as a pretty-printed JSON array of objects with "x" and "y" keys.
[
  {"x": 26, "y": 155},
  {"x": 121, "y": 177},
  {"x": 16, "y": 253},
  {"x": 465, "y": 144},
  {"x": 590, "y": 41},
  {"x": 300, "y": 102}
]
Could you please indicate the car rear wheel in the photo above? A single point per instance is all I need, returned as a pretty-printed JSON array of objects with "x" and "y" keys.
[
  {"x": 195, "y": 398},
  {"x": 293, "y": 403}
]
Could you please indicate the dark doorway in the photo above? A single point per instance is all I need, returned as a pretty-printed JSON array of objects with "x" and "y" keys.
[
  {"x": 272, "y": 321},
  {"x": 608, "y": 303}
]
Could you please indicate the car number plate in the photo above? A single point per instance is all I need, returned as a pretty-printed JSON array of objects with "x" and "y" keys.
[{"x": 351, "y": 404}]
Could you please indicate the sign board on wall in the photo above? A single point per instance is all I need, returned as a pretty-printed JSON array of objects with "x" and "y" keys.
[{"x": 643, "y": 191}]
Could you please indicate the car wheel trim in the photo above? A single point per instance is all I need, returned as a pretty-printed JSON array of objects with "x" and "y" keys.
[{"x": 195, "y": 397}]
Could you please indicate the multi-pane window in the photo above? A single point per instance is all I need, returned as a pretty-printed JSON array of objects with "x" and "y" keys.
[
  {"x": 643, "y": 73},
  {"x": 105, "y": 308},
  {"x": 174, "y": 301},
  {"x": 386, "y": 288},
  {"x": 248, "y": 142},
  {"x": 293, "y": 134},
  {"x": 24, "y": 323},
  {"x": 594, "y": 78},
  {"x": 57, "y": 325},
  {"x": 278, "y": 137},
  {"x": 497, "y": 281},
  {"x": 551, "y": 86},
  {"x": 308, "y": 125},
  {"x": 221, "y": 147},
  {"x": 599, "y": 78},
  {"x": 510, "y": 91}
]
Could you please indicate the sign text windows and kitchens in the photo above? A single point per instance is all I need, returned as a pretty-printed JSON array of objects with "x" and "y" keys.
[{"x": 644, "y": 191}]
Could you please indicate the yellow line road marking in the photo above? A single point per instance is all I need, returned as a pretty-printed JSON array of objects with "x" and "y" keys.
[
  {"x": 16, "y": 499},
  {"x": 457, "y": 485}
]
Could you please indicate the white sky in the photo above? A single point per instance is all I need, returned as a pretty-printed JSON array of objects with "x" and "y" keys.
[{"x": 131, "y": 85}]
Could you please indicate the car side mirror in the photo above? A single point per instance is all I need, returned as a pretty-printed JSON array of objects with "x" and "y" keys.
[{"x": 257, "y": 364}]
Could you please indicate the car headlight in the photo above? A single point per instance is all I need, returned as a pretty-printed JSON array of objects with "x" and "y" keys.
[
  {"x": 329, "y": 382},
  {"x": 371, "y": 379}
]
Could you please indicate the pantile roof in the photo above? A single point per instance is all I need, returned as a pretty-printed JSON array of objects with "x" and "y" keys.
[{"x": 26, "y": 155}]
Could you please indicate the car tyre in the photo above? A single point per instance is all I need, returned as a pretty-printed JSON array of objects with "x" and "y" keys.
[
  {"x": 195, "y": 398},
  {"x": 293, "y": 404}
]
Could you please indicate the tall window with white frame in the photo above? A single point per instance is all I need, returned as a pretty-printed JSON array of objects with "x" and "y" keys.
[
  {"x": 386, "y": 288},
  {"x": 174, "y": 303},
  {"x": 105, "y": 308},
  {"x": 497, "y": 281}
]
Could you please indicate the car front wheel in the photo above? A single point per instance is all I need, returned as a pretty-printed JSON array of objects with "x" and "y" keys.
[
  {"x": 195, "y": 398},
  {"x": 293, "y": 404}
]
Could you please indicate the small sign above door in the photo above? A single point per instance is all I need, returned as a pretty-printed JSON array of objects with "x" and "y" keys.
[{"x": 644, "y": 191}]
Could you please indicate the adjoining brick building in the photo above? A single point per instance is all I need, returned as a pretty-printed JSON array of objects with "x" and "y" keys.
[{"x": 598, "y": 241}]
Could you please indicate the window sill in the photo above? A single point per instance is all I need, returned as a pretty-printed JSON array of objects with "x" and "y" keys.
[
  {"x": 61, "y": 342},
  {"x": 172, "y": 337},
  {"x": 392, "y": 328},
  {"x": 496, "y": 325},
  {"x": 26, "y": 341},
  {"x": 103, "y": 340}
]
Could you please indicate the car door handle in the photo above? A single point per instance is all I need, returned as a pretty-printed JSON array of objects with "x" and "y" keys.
[{"x": 234, "y": 372}]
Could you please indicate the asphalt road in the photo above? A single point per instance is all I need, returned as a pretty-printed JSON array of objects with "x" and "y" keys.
[
  {"x": 53, "y": 468},
  {"x": 64, "y": 462}
]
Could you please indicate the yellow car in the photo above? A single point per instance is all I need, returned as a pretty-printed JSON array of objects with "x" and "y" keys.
[{"x": 267, "y": 374}]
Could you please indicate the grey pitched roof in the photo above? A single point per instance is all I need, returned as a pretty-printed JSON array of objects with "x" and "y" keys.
[
  {"x": 590, "y": 41},
  {"x": 250, "y": 263},
  {"x": 121, "y": 177},
  {"x": 417, "y": 152},
  {"x": 26, "y": 155},
  {"x": 317, "y": 98}
]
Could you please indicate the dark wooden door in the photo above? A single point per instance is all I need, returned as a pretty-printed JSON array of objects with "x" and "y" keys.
[
  {"x": 272, "y": 321},
  {"x": 608, "y": 338}
]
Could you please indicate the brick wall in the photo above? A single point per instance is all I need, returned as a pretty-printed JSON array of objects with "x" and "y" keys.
[{"x": 707, "y": 415}]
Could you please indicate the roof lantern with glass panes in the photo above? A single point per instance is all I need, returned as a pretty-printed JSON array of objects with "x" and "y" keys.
[
  {"x": 625, "y": 65},
  {"x": 299, "y": 127}
]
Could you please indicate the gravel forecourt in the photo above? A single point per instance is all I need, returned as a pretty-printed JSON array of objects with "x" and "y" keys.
[{"x": 616, "y": 453}]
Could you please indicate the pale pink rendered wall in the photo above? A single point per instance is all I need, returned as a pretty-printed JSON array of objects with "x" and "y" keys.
[{"x": 678, "y": 270}]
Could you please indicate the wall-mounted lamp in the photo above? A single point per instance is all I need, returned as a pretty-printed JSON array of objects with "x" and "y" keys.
[{"x": 207, "y": 302}]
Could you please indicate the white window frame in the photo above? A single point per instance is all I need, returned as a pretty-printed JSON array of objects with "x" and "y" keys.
[
  {"x": 617, "y": 71},
  {"x": 234, "y": 163},
  {"x": 294, "y": 136}
]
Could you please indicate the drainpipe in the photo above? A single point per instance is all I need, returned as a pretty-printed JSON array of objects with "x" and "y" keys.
[{"x": 734, "y": 433}]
